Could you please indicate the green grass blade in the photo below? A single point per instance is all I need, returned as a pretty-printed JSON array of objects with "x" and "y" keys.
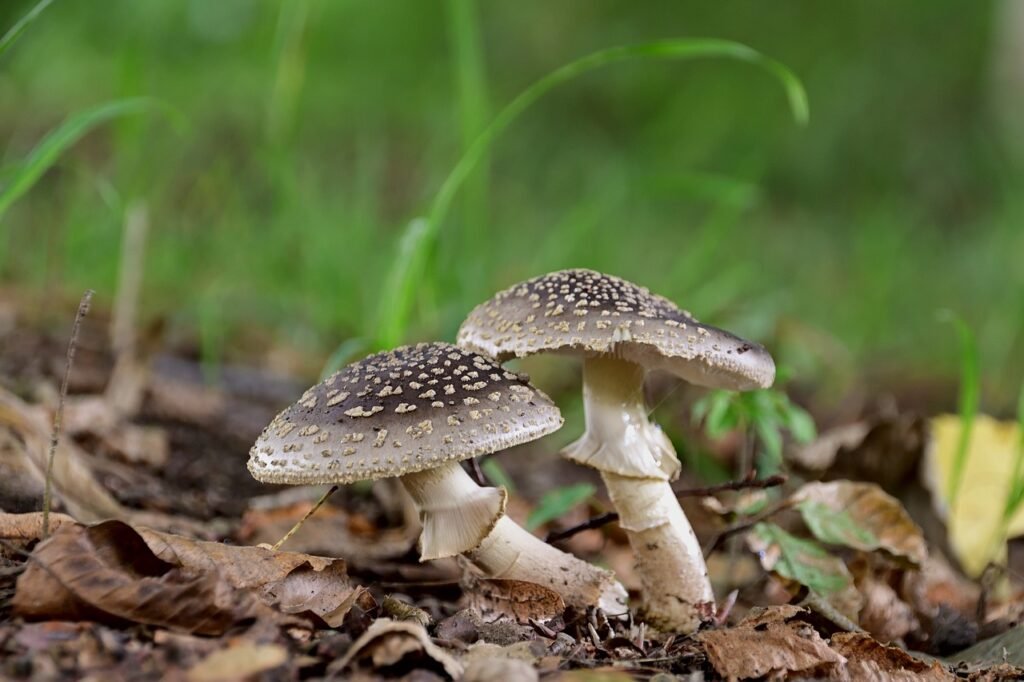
[
  {"x": 1016, "y": 496},
  {"x": 471, "y": 80},
  {"x": 19, "y": 27},
  {"x": 398, "y": 295},
  {"x": 46, "y": 153},
  {"x": 968, "y": 401},
  {"x": 558, "y": 502}
]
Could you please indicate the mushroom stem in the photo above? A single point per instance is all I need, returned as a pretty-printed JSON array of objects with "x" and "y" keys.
[
  {"x": 676, "y": 591},
  {"x": 456, "y": 513},
  {"x": 513, "y": 553},
  {"x": 460, "y": 517}
]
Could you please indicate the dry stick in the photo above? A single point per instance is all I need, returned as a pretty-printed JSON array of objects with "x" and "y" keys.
[
  {"x": 125, "y": 389},
  {"x": 478, "y": 475},
  {"x": 747, "y": 524},
  {"x": 312, "y": 511},
  {"x": 747, "y": 483},
  {"x": 83, "y": 309}
]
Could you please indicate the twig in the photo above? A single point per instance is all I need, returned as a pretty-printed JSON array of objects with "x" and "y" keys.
[
  {"x": 124, "y": 392},
  {"x": 589, "y": 524},
  {"x": 58, "y": 417},
  {"x": 477, "y": 473},
  {"x": 295, "y": 528},
  {"x": 746, "y": 483},
  {"x": 746, "y": 524}
]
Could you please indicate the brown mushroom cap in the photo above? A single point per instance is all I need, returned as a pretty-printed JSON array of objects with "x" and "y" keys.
[
  {"x": 585, "y": 312},
  {"x": 399, "y": 412}
]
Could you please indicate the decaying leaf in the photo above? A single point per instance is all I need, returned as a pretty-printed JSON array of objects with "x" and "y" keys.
[
  {"x": 216, "y": 584},
  {"x": 107, "y": 573},
  {"x": 975, "y": 524},
  {"x": 884, "y": 614},
  {"x": 505, "y": 669},
  {"x": 388, "y": 643},
  {"x": 1005, "y": 648},
  {"x": 861, "y": 516},
  {"x": 869, "y": 661},
  {"x": 769, "y": 642},
  {"x": 73, "y": 482},
  {"x": 799, "y": 560},
  {"x": 240, "y": 661},
  {"x": 516, "y": 599}
]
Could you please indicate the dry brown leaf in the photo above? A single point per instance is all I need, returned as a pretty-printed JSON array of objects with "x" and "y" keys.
[
  {"x": 516, "y": 599},
  {"x": 881, "y": 520},
  {"x": 869, "y": 661},
  {"x": 768, "y": 642},
  {"x": 238, "y": 662},
  {"x": 73, "y": 482},
  {"x": 883, "y": 613},
  {"x": 26, "y": 527},
  {"x": 504, "y": 669},
  {"x": 108, "y": 574},
  {"x": 326, "y": 532},
  {"x": 386, "y": 643}
]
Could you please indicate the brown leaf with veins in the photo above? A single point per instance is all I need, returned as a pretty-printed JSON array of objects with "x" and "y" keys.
[
  {"x": 768, "y": 642},
  {"x": 515, "y": 599},
  {"x": 107, "y": 573},
  {"x": 886, "y": 524},
  {"x": 68, "y": 572},
  {"x": 869, "y": 661}
]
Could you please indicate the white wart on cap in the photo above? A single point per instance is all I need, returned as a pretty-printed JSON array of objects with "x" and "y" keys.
[
  {"x": 589, "y": 313},
  {"x": 400, "y": 412}
]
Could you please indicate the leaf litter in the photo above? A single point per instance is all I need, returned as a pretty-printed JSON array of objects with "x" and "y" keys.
[{"x": 851, "y": 584}]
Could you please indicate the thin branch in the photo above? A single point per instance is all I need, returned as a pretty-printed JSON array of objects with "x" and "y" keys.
[
  {"x": 747, "y": 483},
  {"x": 58, "y": 417},
  {"x": 746, "y": 524},
  {"x": 297, "y": 526}
]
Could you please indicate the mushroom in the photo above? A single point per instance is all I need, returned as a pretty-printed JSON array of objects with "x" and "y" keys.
[
  {"x": 622, "y": 330},
  {"x": 415, "y": 413}
]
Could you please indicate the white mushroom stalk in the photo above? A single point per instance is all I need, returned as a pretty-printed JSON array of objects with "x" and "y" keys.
[
  {"x": 461, "y": 517},
  {"x": 637, "y": 461}
]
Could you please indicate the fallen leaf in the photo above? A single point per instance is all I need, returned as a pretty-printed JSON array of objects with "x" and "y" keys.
[
  {"x": 975, "y": 523},
  {"x": 240, "y": 661},
  {"x": 1005, "y": 648},
  {"x": 861, "y": 516},
  {"x": 768, "y": 642},
  {"x": 799, "y": 560},
  {"x": 504, "y": 669},
  {"x": 516, "y": 599},
  {"x": 869, "y": 661},
  {"x": 107, "y": 573},
  {"x": 73, "y": 482},
  {"x": 387, "y": 643},
  {"x": 883, "y": 613}
]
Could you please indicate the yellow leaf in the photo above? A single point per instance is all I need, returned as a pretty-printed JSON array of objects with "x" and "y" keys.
[{"x": 975, "y": 524}]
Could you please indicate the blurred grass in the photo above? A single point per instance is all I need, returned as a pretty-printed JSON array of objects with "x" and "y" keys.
[{"x": 319, "y": 129}]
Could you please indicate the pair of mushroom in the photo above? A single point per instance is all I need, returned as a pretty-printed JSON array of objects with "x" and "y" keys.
[{"x": 417, "y": 411}]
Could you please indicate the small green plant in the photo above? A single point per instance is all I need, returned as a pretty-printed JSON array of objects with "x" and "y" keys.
[
  {"x": 1015, "y": 498},
  {"x": 763, "y": 415},
  {"x": 558, "y": 502}
]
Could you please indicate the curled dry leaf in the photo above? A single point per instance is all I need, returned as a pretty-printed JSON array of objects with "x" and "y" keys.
[
  {"x": 108, "y": 574},
  {"x": 861, "y": 516},
  {"x": 870, "y": 661},
  {"x": 290, "y": 582},
  {"x": 387, "y": 643},
  {"x": 769, "y": 643},
  {"x": 515, "y": 599}
]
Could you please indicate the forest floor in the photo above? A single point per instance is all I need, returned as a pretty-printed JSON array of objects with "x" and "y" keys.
[{"x": 184, "y": 584}]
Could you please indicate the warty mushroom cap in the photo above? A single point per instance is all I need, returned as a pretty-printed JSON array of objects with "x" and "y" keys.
[
  {"x": 399, "y": 412},
  {"x": 589, "y": 313}
]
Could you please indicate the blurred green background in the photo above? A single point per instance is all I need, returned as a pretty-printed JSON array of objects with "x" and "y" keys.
[{"x": 305, "y": 135}]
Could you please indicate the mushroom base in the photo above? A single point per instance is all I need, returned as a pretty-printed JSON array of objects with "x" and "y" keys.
[
  {"x": 676, "y": 591},
  {"x": 513, "y": 553},
  {"x": 455, "y": 512}
]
